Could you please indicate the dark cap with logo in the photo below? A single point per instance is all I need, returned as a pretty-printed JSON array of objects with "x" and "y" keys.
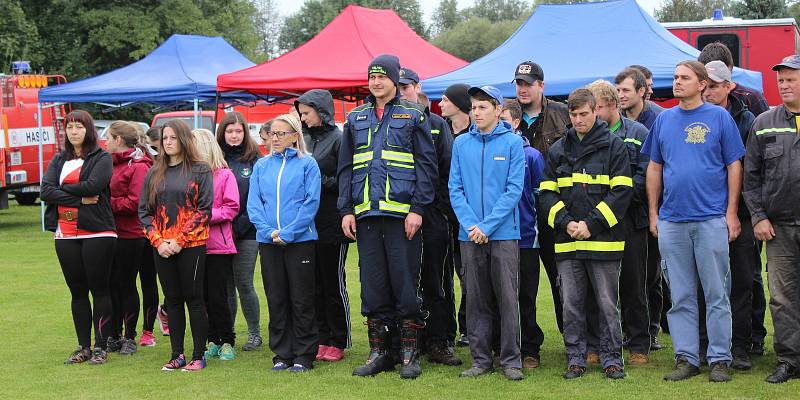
[
  {"x": 387, "y": 64},
  {"x": 529, "y": 71},
  {"x": 408, "y": 76},
  {"x": 792, "y": 62}
]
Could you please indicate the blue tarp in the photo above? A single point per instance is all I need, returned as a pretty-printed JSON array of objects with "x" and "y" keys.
[
  {"x": 577, "y": 44},
  {"x": 183, "y": 68}
]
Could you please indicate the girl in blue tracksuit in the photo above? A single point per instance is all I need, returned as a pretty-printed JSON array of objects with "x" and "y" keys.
[{"x": 282, "y": 203}]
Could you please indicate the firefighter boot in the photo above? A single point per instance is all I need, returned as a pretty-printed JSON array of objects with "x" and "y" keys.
[
  {"x": 379, "y": 359},
  {"x": 409, "y": 367}
]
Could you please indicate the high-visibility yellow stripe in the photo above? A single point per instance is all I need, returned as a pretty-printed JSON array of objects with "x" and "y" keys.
[
  {"x": 355, "y": 167},
  {"x": 578, "y": 177},
  {"x": 551, "y": 218},
  {"x": 775, "y": 130},
  {"x": 607, "y": 213},
  {"x": 392, "y": 164},
  {"x": 435, "y": 131},
  {"x": 632, "y": 140},
  {"x": 362, "y": 157},
  {"x": 394, "y": 206},
  {"x": 364, "y": 206},
  {"x": 621, "y": 181},
  {"x": 564, "y": 182},
  {"x": 548, "y": 185},
  {"x": 588, "y": 245},
  {"x": 397, "y": 156}
]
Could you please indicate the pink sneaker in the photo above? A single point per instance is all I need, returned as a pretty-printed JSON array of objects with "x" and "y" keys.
[
  {"x": 195, "y": 365},
  {"x": 334, "y": 354},
  {"x": 322, "y": 352},
  {"x": 163, "y": 320},
  {"x": 147, "y": 339},
  {"x": 175, "y": 364}
]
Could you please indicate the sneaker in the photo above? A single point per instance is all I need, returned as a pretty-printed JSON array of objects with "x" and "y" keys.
[
  {"x": 99, "y": 356},
  {"x": 212, "y": 350},
  {"x": 757, "y": 349},
  {"x": 254, "y": 342},
  {"x": 441, "y": 354},
  {"x": 574, "y": 372},
  {"x": 592, "y": 358},
  {"x": 475, "y": 372},
  {"x": 783, "y": 372},
  {"x": 175, "y": 364},
  {"x": 78, "y": 356},
  {"x": 280, "y": 366},
  {"x": 513, "y": 374},
  {"x": 333, "y": 354},
  {"x": 147, "y": 339},
  {"x": 655, "y": 345},
  {"x": 741, "y": 361},
  {"x": 463, "y": 341},
  {"x": 719, "y": 372},
  {"x": 297, "y": 368},
  {"x": 114, "y": 344},
  {"x": 195, "y": 365},
  {"x": 226, "y": 352},
  {"x": 638, "y": 359},
  {"x": 614, "y": 372},
  {"x": 531, "y": 362},
  {"x": 128, "y": 347},
  {"x": 163, "y": 320},
  {"x": 683, "y": 370},
  {"x": 322, "y": 350}
]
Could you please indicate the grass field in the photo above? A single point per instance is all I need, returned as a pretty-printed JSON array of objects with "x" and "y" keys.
[{"x": 36, "y": 335}]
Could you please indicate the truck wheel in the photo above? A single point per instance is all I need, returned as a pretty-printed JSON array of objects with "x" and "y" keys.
[{"x": 26, "y": 199}]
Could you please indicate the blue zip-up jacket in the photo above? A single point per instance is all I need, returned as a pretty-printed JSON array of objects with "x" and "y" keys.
[
  {"x": 534, "y": 167},
  {"x": 487, "y": 173},
  {"x": 284, "y": 196}
]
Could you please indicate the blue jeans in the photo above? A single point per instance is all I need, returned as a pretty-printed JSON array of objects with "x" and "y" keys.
[{"x": 692, "y": 250}]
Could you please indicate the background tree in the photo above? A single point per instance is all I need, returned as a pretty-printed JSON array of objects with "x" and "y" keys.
[
  {"x": 445, "y": 17},
  {"x": 18, "y": 36},
  {"x": 476, "y": 36},
  {"x": 499, "y": 10},
  {"x": 758, "y": 9}
]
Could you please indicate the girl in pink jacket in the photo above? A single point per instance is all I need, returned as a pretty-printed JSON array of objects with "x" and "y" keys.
[{"x": 220, "y": 248}]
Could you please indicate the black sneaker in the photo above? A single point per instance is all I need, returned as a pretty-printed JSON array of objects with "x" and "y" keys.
[
  {"x": 783, "y": 372},
  {"x": 254, "y": 342},
  {"x": 719, "y": 372},
  {"x": 128, "y": 347},
  {"x": 741, "y": 361},
  {"x": 99, "y": 356},
  {"x": 574, "y": 371},
  {"x": 757, "y": 349},
  {"x": 114, "y": 344},
  {"x": 78, "y": 356},
  {"x": 655, "y": 344},
  {"x": 441, "y": 354},
  {"x": 683, "y": 370},
  {"x": 614, "y": 372},
  {"x": 463, "y": 341}
]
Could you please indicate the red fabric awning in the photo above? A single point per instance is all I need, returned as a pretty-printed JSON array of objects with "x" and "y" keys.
[{"x": 337, "y": 58}]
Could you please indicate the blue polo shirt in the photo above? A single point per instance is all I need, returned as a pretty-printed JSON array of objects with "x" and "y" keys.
[{"x": 695, "y": 147}]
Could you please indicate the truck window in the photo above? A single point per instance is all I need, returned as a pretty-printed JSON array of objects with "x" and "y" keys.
[{"x": 731, "y": 40}]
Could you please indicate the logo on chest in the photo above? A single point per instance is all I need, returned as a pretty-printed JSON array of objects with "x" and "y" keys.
[
  {"x": 246, "y": 172},
  {"x": 696, "y": 132}
]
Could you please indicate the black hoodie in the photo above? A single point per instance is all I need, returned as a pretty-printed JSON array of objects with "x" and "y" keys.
[{"x": 323, "y": 143}]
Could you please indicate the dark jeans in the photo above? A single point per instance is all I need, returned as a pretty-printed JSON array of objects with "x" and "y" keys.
[
  {"x": 759, "y": 332},
  {"x": 783, "y": 255},
  {"x": 492, "y": 275},
  {"x": 656, "y": 288},
  {"x": 332, "y": 303},
  {"x": 547, "y": 255},
  {"x": 148, "y": 280},
  {"x": 124, "y": 296},
  {"x": 437, "y": 279},
  {"x": 289, "y": 282},
  {"x": 633, "y": 290},
  {"x": 532, "y": 334},
  {"x": 244, "y": 264},
  {"x": 86, "y": 264},
  {"x": 577, "y": 278},
  {"x": 219, "y": 269},
  {"x": 182, "y": 279},
  {"x": 389, "y": 269}
]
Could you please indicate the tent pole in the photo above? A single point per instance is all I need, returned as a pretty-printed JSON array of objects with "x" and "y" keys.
[
  {"x": 41, "y": 158},
  {"x": 196, "y": 118},
  {"x": 216, "y": 113},
  {"x": 344, "y": 111}
]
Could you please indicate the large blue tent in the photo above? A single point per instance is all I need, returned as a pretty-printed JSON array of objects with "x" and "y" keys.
[
  {"x": 183, "y": 68},
  {"x": 578, "y": 43}
]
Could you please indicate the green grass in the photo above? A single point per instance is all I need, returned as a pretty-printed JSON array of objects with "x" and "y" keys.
[{"x": 37, "y": 335}]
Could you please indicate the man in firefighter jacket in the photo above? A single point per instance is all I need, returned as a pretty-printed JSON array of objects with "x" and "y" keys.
[
  {"x": 585, "y": 192},
  {"x": 387, "y": 169}
]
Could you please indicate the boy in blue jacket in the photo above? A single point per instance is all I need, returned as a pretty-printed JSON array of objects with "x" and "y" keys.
[{"x": 485, "y": 196}]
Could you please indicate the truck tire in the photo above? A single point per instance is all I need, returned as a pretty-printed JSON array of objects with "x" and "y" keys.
[{"x": 26, "y": 199}]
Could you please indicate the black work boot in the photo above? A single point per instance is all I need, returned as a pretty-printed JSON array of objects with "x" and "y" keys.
[
  {"x": 439, "y": 353},
  {"x": 379, "y": 359},
  {"x": 409, "y": 365}
]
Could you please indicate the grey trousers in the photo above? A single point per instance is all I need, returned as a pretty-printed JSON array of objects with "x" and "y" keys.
[
  {"x": 244, "y": 264},
  {"x": 783, "y": 276},
  {"x": 577, "y": 278},
  {"x": 492, "y": 278}
]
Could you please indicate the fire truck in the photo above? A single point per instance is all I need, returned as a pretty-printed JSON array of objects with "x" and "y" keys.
[
  {"x": 755, "y": 44},
  {"x": 19, "y": 132}
]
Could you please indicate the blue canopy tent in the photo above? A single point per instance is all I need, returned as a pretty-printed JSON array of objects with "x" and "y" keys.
[{"x": 578, "y": 43}]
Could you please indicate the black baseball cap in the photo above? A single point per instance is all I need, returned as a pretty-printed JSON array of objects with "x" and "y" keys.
[
  {"x": 792, "y": 62},
  {"x": 408, "y": 76},
  {"x": 529, "y": 71}
]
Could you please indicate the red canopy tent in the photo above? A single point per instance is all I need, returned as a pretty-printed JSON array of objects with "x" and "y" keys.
[{"x": 337, "y": 58}]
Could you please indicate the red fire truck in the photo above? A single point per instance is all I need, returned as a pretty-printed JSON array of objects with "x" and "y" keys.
[
  {"x": 756, "y": 44},
  {"x": 19, "y": 136}
]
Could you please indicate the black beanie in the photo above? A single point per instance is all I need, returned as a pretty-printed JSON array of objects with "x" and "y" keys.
[
  {"x": 387, "y": 64},
  {"x": 458, "y": 94}
]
